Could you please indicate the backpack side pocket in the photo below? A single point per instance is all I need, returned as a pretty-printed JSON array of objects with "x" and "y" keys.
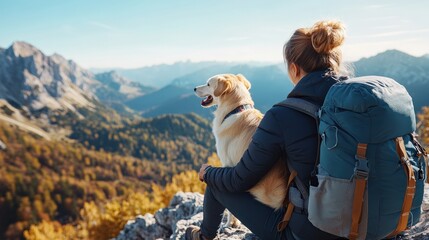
[{"x": 330, "y": 206}]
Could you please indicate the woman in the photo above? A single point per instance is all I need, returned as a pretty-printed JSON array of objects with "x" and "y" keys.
[{"x": 314, "y": 60}]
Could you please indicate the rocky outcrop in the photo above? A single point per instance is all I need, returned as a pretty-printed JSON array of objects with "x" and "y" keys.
[{"x": 185, "y": 209}]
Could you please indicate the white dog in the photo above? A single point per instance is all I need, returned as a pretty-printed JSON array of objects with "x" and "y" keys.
[{"x": 234, "y": 124}]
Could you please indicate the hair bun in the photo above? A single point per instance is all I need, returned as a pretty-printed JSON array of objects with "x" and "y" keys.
[{"x": 327, "y": 35}]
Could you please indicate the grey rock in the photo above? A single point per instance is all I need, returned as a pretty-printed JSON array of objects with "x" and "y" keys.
[{"x": 143, "y": 227}]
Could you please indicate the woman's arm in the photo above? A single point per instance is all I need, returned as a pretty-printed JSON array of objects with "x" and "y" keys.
[{"x": 263, "y": 152}]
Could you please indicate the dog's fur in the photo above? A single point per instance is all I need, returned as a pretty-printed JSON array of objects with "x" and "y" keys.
[{"x": 234, "y": 134}]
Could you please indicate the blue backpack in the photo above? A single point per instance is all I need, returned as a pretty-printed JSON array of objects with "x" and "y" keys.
[{"x": 371, "y": 169}]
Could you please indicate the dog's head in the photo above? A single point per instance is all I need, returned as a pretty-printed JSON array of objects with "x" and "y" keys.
[{"x": 221, "y": 86}]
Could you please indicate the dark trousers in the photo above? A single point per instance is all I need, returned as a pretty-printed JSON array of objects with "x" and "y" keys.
[{"x": 259, "y": 218}]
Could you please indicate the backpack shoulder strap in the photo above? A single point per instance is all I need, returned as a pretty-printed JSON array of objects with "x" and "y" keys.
[
  {"x": 312, "y": 110},
  {"x": 301, "y": 105}
]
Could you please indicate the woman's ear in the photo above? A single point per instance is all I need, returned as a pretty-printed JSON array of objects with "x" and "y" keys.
[
  {"x": 294, "y": 73},
  {"x": 223, "y": 86},
  {"x": 244, "y": 81},
  {"x": 294, "y": 70}
]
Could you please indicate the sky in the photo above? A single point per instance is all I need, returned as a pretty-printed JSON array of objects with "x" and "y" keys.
[{"x": 130, "y": 34}]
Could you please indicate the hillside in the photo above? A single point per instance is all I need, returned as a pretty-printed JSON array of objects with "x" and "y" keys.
[
  {"x": 51, "y": 180},
  {"x": 174, "y": 139}
]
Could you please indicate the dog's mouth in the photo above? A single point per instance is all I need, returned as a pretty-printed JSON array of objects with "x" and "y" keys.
[{"x": 206, "y": 101}]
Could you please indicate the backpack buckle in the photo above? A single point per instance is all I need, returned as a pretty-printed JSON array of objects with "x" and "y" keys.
[{"x": 361, "y": 168}]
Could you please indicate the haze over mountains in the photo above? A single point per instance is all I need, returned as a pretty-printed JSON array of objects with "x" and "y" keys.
[{"x": 34, "y": 82}]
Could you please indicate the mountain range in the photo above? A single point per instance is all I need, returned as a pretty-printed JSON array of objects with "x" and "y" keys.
[
  {"x": 269, "y": 84},
  {"x": 33, "y": 82}
]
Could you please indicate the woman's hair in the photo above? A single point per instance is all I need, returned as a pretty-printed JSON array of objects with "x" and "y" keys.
[{"x": 317, "y": 48}]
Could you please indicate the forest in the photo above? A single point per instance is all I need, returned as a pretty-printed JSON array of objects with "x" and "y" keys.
[{"x": 53, "y": 181}]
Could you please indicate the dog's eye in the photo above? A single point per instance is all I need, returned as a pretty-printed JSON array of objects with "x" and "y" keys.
[{"x": 208, "y": 84}]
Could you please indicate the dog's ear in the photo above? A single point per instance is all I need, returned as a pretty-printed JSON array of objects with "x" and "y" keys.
[
  {"x": 244, "y": 80},
  {"x": 223, "y": 86}
]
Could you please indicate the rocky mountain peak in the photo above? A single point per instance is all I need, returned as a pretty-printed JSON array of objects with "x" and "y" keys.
[
  {"x": 23, "y": 49},
  {"x": 33, "y": 81}
]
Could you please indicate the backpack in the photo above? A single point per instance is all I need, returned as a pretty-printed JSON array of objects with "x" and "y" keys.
[{"x": 369, "y": 177}]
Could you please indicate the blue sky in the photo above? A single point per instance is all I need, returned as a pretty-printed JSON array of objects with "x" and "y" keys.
[{"x": 138, "y": 33}]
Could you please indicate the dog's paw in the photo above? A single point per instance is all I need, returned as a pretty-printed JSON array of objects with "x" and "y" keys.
[{"x": 235, "y": 223}]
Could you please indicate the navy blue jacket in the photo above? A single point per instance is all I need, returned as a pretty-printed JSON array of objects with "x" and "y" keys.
[{"x": 283, "y": 133}]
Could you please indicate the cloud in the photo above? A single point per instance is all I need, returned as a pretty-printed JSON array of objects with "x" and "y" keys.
[{"x": 101, "y": 25}]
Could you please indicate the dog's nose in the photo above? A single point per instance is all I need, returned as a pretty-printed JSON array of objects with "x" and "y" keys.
[{"x": 195, "y": 89}]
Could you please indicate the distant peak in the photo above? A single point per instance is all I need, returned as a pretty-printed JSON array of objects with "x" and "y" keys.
[
  {"x": 22, "y": 44},
  {"x": 23, "y": 49},
  {"x": 111, "y": 73},
  {"x": 394, "y": 53}
]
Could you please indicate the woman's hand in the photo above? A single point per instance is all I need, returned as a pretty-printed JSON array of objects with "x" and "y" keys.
[{"x": 202, "y": 171}]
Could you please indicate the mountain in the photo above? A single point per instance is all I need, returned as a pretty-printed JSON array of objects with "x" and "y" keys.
[
  {"x": 34, "y": 82},
  {"x": 120, "y": 87},
  {"x": 161, "y": 75},
  {"x": 410, "y": 71},
  {"x": 269, "y": 85}
]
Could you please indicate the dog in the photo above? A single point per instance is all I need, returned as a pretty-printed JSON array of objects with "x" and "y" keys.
[{"x": 235, "y": 121}]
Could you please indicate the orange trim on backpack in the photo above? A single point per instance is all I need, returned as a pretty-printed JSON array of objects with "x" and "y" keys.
[
  {"x": 410, "y": 191},
  {"x": 289, "y": 209},
  {"x": 358, "y": 196}
]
